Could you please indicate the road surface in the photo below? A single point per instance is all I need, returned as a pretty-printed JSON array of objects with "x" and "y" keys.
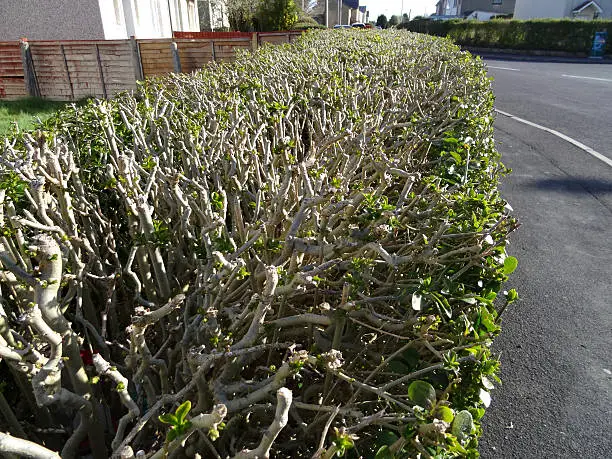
[{"x": 556, "y": 343}]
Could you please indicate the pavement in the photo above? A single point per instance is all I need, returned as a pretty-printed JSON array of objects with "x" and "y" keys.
[{"x": 556, "y": 343}]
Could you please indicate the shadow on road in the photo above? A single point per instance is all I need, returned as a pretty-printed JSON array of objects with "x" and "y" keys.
[{"x": 573, "y": 185}]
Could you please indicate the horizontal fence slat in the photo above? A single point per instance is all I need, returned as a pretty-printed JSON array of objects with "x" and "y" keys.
[{"x": 71, "y": 68}]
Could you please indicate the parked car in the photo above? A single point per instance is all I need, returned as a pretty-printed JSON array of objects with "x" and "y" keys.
[
  {"x": 358, "y": 25},
  {"x": 342, "y": 26}
]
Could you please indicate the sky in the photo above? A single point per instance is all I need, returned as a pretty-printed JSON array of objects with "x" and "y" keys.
[{"x": 390, "y": 7}]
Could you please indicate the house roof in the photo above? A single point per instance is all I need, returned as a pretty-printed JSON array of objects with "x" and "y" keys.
[
  {"x": 351, "y": 3},
  {"x": 363, "y": 9},
  {"x": 585, "y": 5}
]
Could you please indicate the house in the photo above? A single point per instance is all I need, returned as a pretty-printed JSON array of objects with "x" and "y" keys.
[
  {"x": 574, "y": 9},
  {"x": 213, "y": 15},
  {"x": 348, "y": 9},
  {"x": 96, "y": 19},
  {"x": 361, "y": 14},
  {"x": 475, "y": 9}
]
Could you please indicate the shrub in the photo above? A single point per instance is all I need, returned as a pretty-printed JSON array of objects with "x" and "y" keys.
[
  {"x": 293, "y": 255},
  {"x": 546, "y": 34}
]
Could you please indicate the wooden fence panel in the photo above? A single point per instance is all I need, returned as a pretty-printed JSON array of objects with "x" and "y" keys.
[
  {"x": 12, "y": 84},
  {"x": 72, "y": 70},
  {"x": 195, "y": 54},
  {"x": 50, "y": 69},
  {"x": 225, "y": 50},
  {"x": 274, "y": 38},
  {"x": 156, "y": 57}
]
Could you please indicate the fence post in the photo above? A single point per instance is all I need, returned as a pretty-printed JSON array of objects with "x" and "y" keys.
[
  {"x": 67, "y": 71},
  {"x": 101, "y": 72},
  {"x": 136, "y": 59},
  {"x": 176, "y": 57},
  {"x": 255, "y": 42},
  {"x": 29, "y": 74}
]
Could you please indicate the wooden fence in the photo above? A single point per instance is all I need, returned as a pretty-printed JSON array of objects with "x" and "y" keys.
[
  {"x": 73, "y": 70},
  {"x": 12, "y": 84}
]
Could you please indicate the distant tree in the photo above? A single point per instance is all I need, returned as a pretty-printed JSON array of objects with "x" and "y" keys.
[
  {"x": 276, "y": 15},
  {"x": 393, "y": 21},
  {"x": 241, "y": 14},
  {"x": 382, "y": 21},
  {"x": 405, "y": 17}
]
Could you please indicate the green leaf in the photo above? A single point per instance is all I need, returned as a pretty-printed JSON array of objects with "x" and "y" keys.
[
  {"x": 487, "y": 384},
  {"x": 462, "y": 425},
  {"x": 172, "y": 435},
  {"x": 512, "y": 295},
  {"x": 213, "y": 434},
  {"x": 456, "y": 156},
  {"x": 510, "y": 264},
  {"x": 168, "y": 418},
  {"x": 416, "y": 302},
  {"x": 386, "y": 437},
  {"x": 485, "y": 398},
  {"x": 487, "y": 320},
  {"x": 181, "y": 411},
  {"x": 422, "y": 393},
  {"x": 411, "y": 357},
  {"x": 384, "y": 453},
  {"x": 397, "y": 366},
  {"x": 444, "y": 413}
]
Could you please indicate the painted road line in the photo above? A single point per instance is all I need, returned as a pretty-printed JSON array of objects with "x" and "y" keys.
[
  {"x": 503, "y": 68},
  {"x": 574, "y": 142},
  {"x": 587, "y": 78}
]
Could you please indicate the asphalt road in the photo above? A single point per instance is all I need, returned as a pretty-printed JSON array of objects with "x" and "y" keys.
[{"x": 556, "y": 343}]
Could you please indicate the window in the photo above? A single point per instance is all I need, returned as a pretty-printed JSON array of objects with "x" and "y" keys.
[
  {"x": 496, "y": 2},
  {"x": 191, "y": 14},
  {"x": 118, "y": 9}
]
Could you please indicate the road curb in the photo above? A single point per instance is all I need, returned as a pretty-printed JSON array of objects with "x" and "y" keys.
[{"x": 535, "y": 56}]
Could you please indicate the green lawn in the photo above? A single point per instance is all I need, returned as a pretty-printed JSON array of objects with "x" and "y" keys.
[{"x": 25, "y": 112}]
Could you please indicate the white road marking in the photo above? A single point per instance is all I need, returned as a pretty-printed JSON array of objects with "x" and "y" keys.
[
  {"x": 503, "y": 68},
  {"x": 574, "y": 142},
  {"x": 587, "y": 78}
]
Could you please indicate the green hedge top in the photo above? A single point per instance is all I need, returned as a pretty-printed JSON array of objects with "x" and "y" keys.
[
  {"x": 549, "y": 35},
  {"x": 315, "y": 226}
]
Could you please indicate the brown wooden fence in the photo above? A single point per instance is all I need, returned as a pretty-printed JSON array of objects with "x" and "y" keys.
[
  {"x": 73, "y": 70},
  {"x": 12, "y": 84}
]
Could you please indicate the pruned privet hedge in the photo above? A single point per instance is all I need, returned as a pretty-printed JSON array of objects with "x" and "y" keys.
[{"x": 295, "y": 255}]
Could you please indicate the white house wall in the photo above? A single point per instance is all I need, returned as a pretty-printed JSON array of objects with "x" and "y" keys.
[
  {"x": 50, "y": 20},
  {"x": 113, "y": 19},
  {"x": 157, "y": 18},
  {"x": 529, "y": 9}
]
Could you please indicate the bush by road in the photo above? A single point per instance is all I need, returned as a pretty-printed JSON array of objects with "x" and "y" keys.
[
  {"x": 543, "y": 34},
  {"x": 293, "y": 255}
]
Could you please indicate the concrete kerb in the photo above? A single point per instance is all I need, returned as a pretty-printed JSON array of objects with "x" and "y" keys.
[{"x": 535, "y": 56}]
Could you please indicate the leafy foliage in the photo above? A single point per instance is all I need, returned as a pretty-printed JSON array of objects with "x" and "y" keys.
[
  {"x": 179, "y": 425},
  {"x": 382, "y": 21},
  {"x": 273, "y": 15},
  {"x": 540, "y": 34},
  {"x": 321, "y": 219}
]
